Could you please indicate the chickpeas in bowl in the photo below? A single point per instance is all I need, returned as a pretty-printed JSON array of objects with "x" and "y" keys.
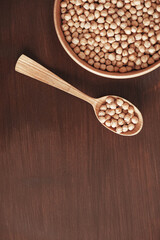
[{"x": 119, "y": 39}]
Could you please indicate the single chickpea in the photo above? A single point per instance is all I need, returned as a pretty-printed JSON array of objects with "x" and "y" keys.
[
  {"x": 119, "y": 50},
  {"x": 102, "y": 119},
  {"x": 122, "y": 69},
  {"x": 116, "y": 116},
  {"x": 156, "y": 56},
  {"x": 90, "y": 61},
  {"x": 103, "y": 67},
  {"x": 114, "y": 123},
  {"x": 103, "y": 107},
  {"x": 107, "y": 117},
  {"x": 153, "y": 40},
  {"x": 121, "y": 115},
  {"x": 120, "y": 121},
  {"x": 144, "y": 58},
  {"x": 127, "y": 118},
  {"x": 119, "y": 102},
  {"x": 104, "y": 13},
  {"x": 101, "y": 113},
  {"x": 119, "y": 130},
  {"x": 134, "y": 120},
  {"x": 113, "y": 105},
  {"x": 141, "y": 48},
  {"x": 75, "y": 40},
  {"x": 109, "y": 100},
  {"x": 108, "y": 123},
  {"x": 131, "y": 39},
  {"x": 118, "y": 110},
  {"x": 125, "y": 106},
  {"x": 111, "y": 112},
  {"x": 68, "y": 38},
  {"x": 120, "y": 12},
  {"x": 112, "y": 56},
  {"x": 131, "y": 126},
  {"x": 150, "y": 61},
  {"x": 124, "y": 128},
  {"x": 81, "y": 55}
]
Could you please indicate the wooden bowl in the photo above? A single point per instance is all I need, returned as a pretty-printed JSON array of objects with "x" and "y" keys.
[{"x": 82, "y": 63}]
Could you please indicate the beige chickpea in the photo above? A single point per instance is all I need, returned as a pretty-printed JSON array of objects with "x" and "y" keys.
[
  {"x": 131, "y": 110},
  {"x": 131, "y": 50},
  {"x": 119, "y": 102},
  {"x": 119, "y": 129},
  {"x": 103, "y": 107},
  {"x": 77, "y": 50},
  {"x": 107, "y": 117},
  {"x": 130, "y": 64},
  {"x": 81, "y": 55},
  {"x": 119, "y": 64},
  {"x": 119, "y": 50},
  {"x": 103, "y": 67},
  {"x": 116, "y": 116},
  {"x": 131, "y": 39},
  {"x": 129, "y": 68},
  {"x": 125, "y": 106},
  {"x": 75, "y": 40},
  {"x": 109, "y": 100},
  {"x": 108, "y": 123},
  {"x": 152, "y": 50},
  {"x": 113, "y": 105},
  {"x": 134, "y": 119},
  {"x": 144, "y": 58},
  {"x": 124, "y": 128},
  {"x": 117, "y": 37},
  {"x": 90, "y": 61},
  {"x": 131, "y": 126},
  {"x": 123, "y": 69},
  {"x": 127, "y": 118},
  {"x": 111, "y": 112},
  {"x": 120, "y": 121},
  {"x": 150, "y": 61},
  {"x": 97, "y": 65},
  {"x": 104, "y": 13},
  {"x": 112, "y": 56},
  {"x": 101, "y": 113},
  {"x": 123, "y": 37},
  {"x": 153, "y": 40},
  {"x": 156, "y": 56},
  {"x": 68, "y": 38},
  {"x": 141, "y": 48},
  {"x": 114, "y": 123},
  {"x": 118, "y": 110},
  {"x": 144, "y": 65},
  {"x": 102, "y": 119},
  {"x": 109, "y": 19}
]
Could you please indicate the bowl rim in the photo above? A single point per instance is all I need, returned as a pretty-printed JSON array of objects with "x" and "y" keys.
[{"x": 85, "y": 65}]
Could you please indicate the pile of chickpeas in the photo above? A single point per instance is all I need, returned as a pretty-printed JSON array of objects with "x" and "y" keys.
[
  {"x": 118, "y": 115},
  {"x": 113, "y": 35}
]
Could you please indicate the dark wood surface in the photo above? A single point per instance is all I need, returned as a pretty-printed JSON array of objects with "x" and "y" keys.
[{"x": 62, "y": 175}]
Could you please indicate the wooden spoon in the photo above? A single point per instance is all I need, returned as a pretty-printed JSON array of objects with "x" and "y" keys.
[{"x": 34, "y": 70}]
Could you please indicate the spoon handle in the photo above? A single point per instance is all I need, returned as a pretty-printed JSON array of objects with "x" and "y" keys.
[{"x": 29, "y": 67}]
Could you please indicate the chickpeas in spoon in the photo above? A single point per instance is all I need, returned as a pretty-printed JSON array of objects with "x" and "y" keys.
[{"x": 113, "y": 112}]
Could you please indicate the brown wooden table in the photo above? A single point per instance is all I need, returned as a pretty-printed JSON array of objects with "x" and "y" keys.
[{"x": 62, "y": 175}]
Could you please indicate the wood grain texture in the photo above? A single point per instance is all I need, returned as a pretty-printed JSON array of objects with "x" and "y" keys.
[{"x": 63, "y": 176}]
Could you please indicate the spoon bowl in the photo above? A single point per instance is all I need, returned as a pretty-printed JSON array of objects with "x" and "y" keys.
[
  {"x": 99, "y": 101},
  {"x": 29, "y": 67}
]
